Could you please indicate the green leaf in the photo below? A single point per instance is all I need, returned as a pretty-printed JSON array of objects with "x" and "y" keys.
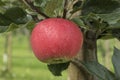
[
  {"x": 4, "y": 21},
  {"x": 116, "y": 33},
  {"x": 56, "y": 69},
  {"x": 79, "y": 22},
  {"x": 111, "y": 18},
  {"x": 94, "y": 22},
  {"x": 100, "y": 6},
  {"x": 12, "y": 18},
  {"x": 116, "y": 62},
  {"x": 106, "y": 36},
  {"x": 112, "y": 31},
  {"x": 100, "y": 71},
  {"x": 30, "y": 25},
  {"x": 50, "y": 7},
  {"x": 40, "y": 3},
  {"x": 53, "y": 6},
  {"x": 12, "y": 27},
  {"x": 115, "y": 26},
  {"x": 16, "y": 15},
  {"x": 115, "y": 30}
]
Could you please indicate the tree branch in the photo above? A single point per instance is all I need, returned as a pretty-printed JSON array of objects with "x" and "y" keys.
[
  {"x": 30, "y": 3},
  {"x": 35, "y": 18},
  {"x": 79, "y": 64},
  {"x": 65, "y": 8}
]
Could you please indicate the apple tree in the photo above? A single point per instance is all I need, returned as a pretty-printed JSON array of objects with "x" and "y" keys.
[{"x": 97, "y": 19}]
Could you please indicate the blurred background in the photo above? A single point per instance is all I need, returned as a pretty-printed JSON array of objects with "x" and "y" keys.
[{"x": 17, "y": 61}]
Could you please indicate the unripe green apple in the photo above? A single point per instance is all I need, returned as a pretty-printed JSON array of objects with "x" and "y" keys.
[{"x": 56, "y": 40}]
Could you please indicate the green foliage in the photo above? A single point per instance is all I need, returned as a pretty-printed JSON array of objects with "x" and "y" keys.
[
  {"x": 99, "y": 70},
  {"x": 79, "y": 22},
  {"x": 102, "y": 72},
  {"x": 51, "y": 7},
  {"x": 16, "y": 15},
  {"x": 100, "y": 6},
  {"x": 30, "y": 25},
  {"x": 12, "y": 18},
  {"x": 116, "y": 63},
  {"x": 56, "y": 69},
  {"x": 4, "y": 21},
  {"x": 102, "y": 17},
  {"x": 40, "y": 4},
  {"x": 54, "y": 7}
]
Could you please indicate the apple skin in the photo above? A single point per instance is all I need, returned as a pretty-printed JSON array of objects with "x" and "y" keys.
[{"x": 56, "y": 40}]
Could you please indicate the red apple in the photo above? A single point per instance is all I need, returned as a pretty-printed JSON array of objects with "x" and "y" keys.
[{"x": 56, "y": 40}]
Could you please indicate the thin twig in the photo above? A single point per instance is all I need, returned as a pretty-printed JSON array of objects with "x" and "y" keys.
[
  {"x": 30, "y": 3},
  {"x": 35, "y": 18},
  {"x": 65, "y": 8}
]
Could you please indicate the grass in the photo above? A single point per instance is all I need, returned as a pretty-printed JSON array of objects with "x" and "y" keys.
[{"x": 25, "y": 66}]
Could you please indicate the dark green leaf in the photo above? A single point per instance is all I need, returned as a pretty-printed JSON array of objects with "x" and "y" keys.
[
  {"x": 56, "y": 69},
  {"x": 100, "y": 6},
  {"x": 100, "y": 71},
  {"x": 4, "y": 21},
  {"x": 16, "y": 15},
  {"x": 12, "y": 17},
  {"x": 116, "y": 33},
  {"x": 116, "y": 62},
  {"x": 105, "y": 36},
  {"x": 77, "y": 6}
]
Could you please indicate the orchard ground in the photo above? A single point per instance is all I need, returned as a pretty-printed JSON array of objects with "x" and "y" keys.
[{"x": 25, "y": 66}]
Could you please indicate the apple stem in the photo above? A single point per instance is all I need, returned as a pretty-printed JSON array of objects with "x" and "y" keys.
[{"x": 31, "y": 5}]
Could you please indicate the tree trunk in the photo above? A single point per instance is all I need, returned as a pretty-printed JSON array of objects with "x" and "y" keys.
[{"x": 88, "y": 53}]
